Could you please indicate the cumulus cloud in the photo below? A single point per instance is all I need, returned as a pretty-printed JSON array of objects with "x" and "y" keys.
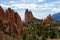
[
  {"x": 56, "y": 9},
  {"x": 3, "y": 5},
  {"x": 12, "y": 1},
  {"x": 57, "y": 2},
  {"x": 24, "y": 6},
  {"x": 40, "y": 0},
  {"x": 40, "y": 15},
  {"x": 35, "y": 6},
  {"x": 23, "y": 0},
  {"x": 32, "y": 6},
  {"x": 45, "y": 6}
]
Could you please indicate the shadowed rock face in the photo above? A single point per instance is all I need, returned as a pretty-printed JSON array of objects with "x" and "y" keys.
[
  {"x": 28, "y": 16},
  {"x": 12, "y": 21},
  {"x": 47, "y": 20},
  {"x": 2, "y": 13},
  {"x": 10, "y": 15},
  {"x": 48, "y": 17},
  {"x": 13, "y": 17},
  {"x": 17, "y": 19}
]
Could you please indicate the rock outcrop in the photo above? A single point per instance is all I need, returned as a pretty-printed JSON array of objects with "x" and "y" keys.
[
  {"x": 2, "y": 13},
  {"x": 48, "y": 17},
  {"x": 47, "y": 21},
  {"x": 28, "y": 16},
  {"x": 11, "y": 21}
]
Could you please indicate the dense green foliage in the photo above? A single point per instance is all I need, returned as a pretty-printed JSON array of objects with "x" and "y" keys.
[{"x": 39, "y": 32}]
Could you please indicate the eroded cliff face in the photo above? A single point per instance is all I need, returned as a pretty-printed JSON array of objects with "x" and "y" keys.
[
  {"x": 11, "y": 21},
  {"x": 28, "y": 16},
  {"x": 47, "y": 21},
  {"x": 2, "y": 13},
  {"x": 49, "y": 17}
]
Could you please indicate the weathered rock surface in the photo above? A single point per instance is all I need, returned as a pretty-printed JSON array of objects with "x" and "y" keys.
[
  {"x": 49, "y": 17},
  {"x": 11, "y": 22},
  {"x": 28, "y": 16},
  {"x": 2, "y": 13},
  {"x": 47, "y": 20}
]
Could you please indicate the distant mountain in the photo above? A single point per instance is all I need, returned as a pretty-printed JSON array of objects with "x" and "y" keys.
[{"x": 56, "y": 16}]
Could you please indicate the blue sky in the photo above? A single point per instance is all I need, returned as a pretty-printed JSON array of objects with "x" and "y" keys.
[{"x": 39, "y": 8}]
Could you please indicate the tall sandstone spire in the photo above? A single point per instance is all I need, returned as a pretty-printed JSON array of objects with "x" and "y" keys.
[
  {"x": 14, "y": 19},
  {"x": 11, "y": 20},
  {"x": 10, "y": 15},
  {"x": 2, "y": 13},
  {"x": 13, "y": 16},
  {"x": 28, "y": 16}
]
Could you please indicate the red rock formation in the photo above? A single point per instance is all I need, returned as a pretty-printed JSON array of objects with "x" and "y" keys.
[
  {"x": 18, "y": 21},
  {"x": 12, "y": 21},
  {"x": 11, "y": 15},
  {"x": 47, "y": 20},
  {"x": 49, "y": 17},
  {"x": 28, "y": 16},
  {"x": 2, "y": 13}
]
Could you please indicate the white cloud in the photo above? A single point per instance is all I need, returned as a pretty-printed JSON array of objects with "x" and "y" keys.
[
  {"x": 57, "y": 2},
  {"x": 40, "y": 0},
  {"x": 12, "y": 1},
  {"x": 14, "y": 8},
  {"x": 24, "y": 6},
  {"x": 56, "y": 9},
  {"x": 3, "y": 5},
  {"x": 33, "y": 6},
  {"x": 23, "y": 0},
  {"x": 45, "y": 6},
  {"x": 40, "y": 15}
]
